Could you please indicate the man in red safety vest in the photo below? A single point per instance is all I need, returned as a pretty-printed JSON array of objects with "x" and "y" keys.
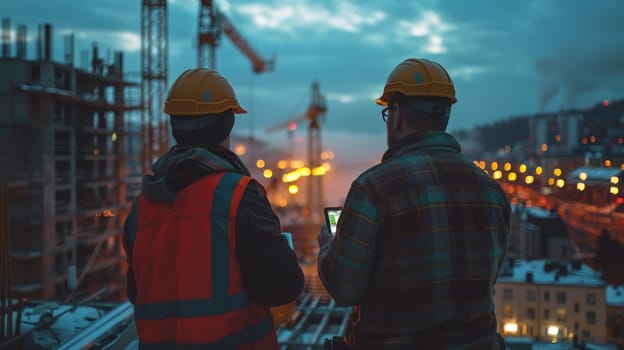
[{"x": 206, "y": 258}]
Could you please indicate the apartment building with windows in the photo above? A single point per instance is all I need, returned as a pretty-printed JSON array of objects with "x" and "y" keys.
[
  {"x": 615, "y": 314},
  {"x": 551, "y": 301}
]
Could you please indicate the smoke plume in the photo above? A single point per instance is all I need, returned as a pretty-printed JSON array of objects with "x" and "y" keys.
[{"x": 574, "y": 73}]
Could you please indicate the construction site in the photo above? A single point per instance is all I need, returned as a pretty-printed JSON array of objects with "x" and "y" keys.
[
  {"x": 79, "y": 137},
  {"x": 80, "y": 127}
]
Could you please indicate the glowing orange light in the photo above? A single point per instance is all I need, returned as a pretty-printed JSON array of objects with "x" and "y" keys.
[
  {"x": 584, "y": 141},
  {"x": 293, "y": 189},
  {"x": 620, "y": 140},
  {"x": 557, "y": 137},
  {"x": 619, "y": 200},
  {"x": 240, "y": 150},
  {"x": 605, "y": 103},
  {"x": 544, "y": 147},
  {"x": 592, "y": 139}
]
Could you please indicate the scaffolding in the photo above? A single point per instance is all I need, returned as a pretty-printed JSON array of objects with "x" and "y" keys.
[
  {"x": 316, "y": 318},
  {"x": 71, "y": 141}
]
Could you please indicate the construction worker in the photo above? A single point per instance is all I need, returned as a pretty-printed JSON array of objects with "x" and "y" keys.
[
  {"x": 422, "y": 234},
  {"x": 205, "y": 254}
]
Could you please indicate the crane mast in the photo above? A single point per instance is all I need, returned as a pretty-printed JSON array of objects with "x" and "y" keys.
[
  {"x": 313, "y": 210},
  {"x": 154, "y": 70},
  {"x": 316, "y": 111}
]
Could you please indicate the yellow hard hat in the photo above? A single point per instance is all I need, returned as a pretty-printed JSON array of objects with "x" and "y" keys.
[
  {"x": 418, "y": 77},
  {"x": 201, "y": 91}
]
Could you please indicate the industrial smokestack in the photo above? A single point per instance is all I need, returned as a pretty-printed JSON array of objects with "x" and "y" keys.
[
  {"x": 95, "y": 60},
  {"x": 47, "y": 48},
  {"x": 69, "y": 49},
  {"x": 20, "y": 46},
  {"x": 6, "y": 37},
  {"x": 39, "y": 41}
]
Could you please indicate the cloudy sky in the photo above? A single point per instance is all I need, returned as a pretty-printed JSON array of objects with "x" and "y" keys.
[{"x": 507, "y": 58}]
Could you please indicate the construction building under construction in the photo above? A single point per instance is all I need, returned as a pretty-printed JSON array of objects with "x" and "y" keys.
[{"x": 71, "y": 164}]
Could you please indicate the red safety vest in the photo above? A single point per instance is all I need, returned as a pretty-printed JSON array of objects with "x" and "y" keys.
[{"x": 188, "y": 279}]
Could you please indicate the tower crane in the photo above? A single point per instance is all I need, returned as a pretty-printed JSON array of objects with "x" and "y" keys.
[
  {"x": 155, "y": 62},
  {"x": 314, "y": 116},
  {"x": 212, "y": 23}
]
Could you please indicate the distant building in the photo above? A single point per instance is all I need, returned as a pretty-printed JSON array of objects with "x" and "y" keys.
[
  {"x": 615, "y": 314},
  {"x": 539, "y": 233},
  {"x": 548, "y": 301}
]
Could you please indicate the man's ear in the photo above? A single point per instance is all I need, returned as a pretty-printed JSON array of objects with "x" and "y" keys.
[{"x": 396, "y": 118}]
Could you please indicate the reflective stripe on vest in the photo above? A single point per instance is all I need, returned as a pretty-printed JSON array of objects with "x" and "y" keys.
[{"x": 195, "y": 323}]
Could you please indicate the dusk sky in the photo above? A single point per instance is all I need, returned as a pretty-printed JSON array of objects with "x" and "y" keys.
[{"x": 507, "y": 58}]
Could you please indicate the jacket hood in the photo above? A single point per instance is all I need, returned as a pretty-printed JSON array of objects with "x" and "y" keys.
[{"x": 183, "y": 165}]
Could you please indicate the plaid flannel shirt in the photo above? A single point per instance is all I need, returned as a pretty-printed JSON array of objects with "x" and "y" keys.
[{"x": 418, "y": 248}]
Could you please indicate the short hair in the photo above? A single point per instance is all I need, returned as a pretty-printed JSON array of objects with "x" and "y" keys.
[
  {"x": 423, "y": 112},
  {"x": 208, "y": 130}
]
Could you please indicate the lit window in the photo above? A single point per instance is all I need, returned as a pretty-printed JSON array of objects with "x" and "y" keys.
[
  {"x": 561, "y": 315},
  {"x": 553, "y": 331},
  {"x": 507, "y": 311},
  {"x": 510, "y": 328}
]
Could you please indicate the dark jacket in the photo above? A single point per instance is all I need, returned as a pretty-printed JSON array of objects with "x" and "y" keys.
[
  {"x": 271, "y": 274},
  {"x": 418, "y": 248}
]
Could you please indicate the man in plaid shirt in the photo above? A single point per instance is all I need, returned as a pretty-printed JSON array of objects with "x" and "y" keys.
[{"x": 423, "y": 234}]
